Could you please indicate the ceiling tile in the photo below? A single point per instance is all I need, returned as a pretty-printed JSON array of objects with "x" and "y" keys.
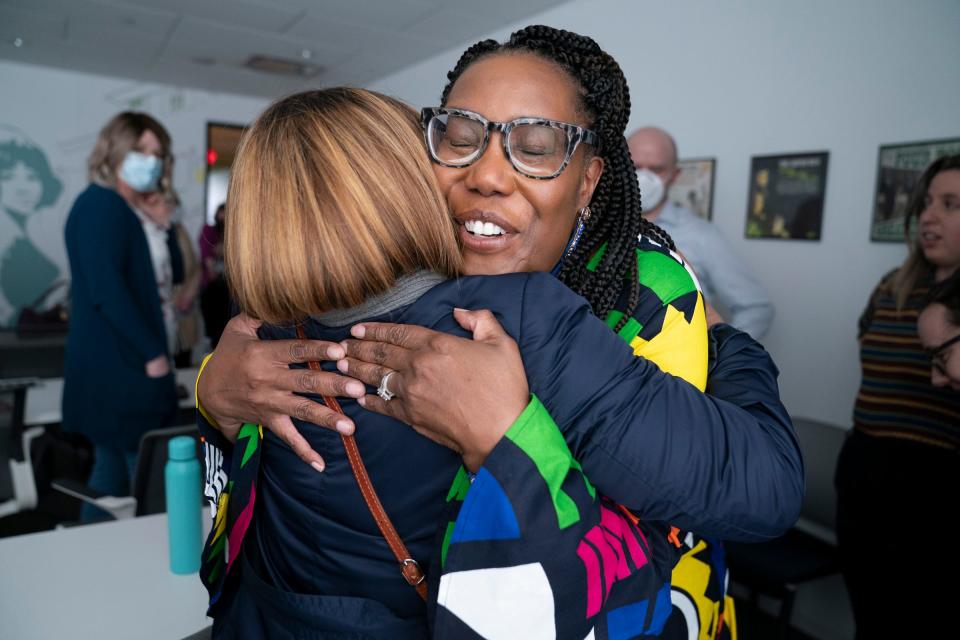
[
  {"x": 352, "y": 37},
  {"x": 111, "y": 59},
  {"x": 106, "y": 44},
  {"x": 199, "y": 38},
  {"x": 224, "y": 79},
  {"x": 56, "y": 7},
  {"x": 509, "y": 10},
  {"x": 32, "y": 52},
  {"x": 260, "y": 16},
  {"x": 384, "y": 64},
  {"x": 116, "y": 19},
  {"x": 454, "y": 27},
  {"x": 357, "y": 72},
  {"x": 119, "y": 61},
  {"x": 390, "y": 47},
  {"x": 17, "y": 23},
  {"x": 355, "y": 41},
  {"x": 398, "y": 50},
  {"x": 377, "y": 14}
]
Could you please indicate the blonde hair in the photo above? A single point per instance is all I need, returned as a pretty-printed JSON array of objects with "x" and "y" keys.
[
  {"x": 120, "y": 136},
  {"x": 916, "y": 266},
  {"x": 332, "y": 197}
]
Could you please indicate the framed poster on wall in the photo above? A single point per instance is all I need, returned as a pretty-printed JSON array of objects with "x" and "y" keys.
[
  {"x": 898, "y": 169},
  {"x": 786, "y": 196},
  {"x": 693, "y": 187}
]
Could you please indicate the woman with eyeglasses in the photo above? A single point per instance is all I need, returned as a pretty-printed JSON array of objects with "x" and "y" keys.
[
  {"x": 529, "y": 151},
  {"x": 901, "y": 462},
  {"x": 939, "y": 329},
  {"x": 304, "y": 553}
]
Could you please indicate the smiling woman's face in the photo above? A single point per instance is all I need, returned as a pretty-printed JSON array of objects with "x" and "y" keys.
[{"x": 530, "y": 220}]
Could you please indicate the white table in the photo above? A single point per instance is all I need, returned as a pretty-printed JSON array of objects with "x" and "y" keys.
[
  {"x": 44, "y": 399},
  {"x": 104, "y": 581}
]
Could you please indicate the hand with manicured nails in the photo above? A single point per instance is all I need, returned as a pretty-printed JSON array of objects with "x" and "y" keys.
[
  {"x": 249, "y": 380},
  {"x": 461, "y": 393}
]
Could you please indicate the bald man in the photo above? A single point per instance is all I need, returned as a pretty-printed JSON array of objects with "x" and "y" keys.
[{"x": 726, "y": 281}]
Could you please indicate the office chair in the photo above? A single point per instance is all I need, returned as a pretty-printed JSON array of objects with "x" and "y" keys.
[
  {"x": 19, "y": 463},
  {"x": 808, "y": 551},
  {"x": 148, "y": 492}
]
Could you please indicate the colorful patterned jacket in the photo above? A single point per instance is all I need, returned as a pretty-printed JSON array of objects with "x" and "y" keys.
[{"x": 599, "y": 590}]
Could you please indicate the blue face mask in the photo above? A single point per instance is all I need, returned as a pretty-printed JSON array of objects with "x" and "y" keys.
[{"x": 142, "y": 172}]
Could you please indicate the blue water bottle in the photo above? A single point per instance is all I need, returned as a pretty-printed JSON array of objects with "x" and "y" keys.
[{"x": 182, "y": 479}]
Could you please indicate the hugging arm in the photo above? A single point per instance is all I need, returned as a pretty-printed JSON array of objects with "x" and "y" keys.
[
  {"x": 698, "y": 461},
  {"x": 647, "y": 439},
  {"x": 652, "y": 441},
  {"x": 247, "y": 380}
]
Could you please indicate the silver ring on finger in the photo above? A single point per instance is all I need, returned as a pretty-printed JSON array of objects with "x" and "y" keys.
[{"x": 383, "y": 390}]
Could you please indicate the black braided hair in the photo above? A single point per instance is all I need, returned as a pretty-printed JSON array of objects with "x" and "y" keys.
[{"x": 615, "y": 221}]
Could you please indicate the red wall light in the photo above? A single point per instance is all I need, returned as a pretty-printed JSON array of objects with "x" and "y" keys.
[{"x": 212, "y": 157}]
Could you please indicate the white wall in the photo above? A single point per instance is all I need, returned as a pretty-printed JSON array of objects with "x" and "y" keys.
[
  {"x": 735, "y": 79},
  {"x": 62, "y": 113}
]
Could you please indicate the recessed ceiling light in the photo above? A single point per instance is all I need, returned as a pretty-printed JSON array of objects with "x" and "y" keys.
[
  {"x": 18, "y": 42},
  {"x": 282, "y": 67}
]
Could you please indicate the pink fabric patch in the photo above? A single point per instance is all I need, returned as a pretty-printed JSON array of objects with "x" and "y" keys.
[
  {"x": 240, "y": 528},
  {"x": 622, "y": 529},
  {"x": 595, "y": 596},
  {"x": 608, "y": 539}
]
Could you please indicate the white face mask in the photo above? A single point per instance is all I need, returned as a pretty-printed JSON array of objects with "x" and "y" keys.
[
  {"x": 652, "y": 190},
  {"x": 141, "y": 171}
]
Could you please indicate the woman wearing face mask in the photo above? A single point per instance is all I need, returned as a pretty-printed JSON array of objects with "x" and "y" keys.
[
  {"x": 117, "y": 377},
  {"x": 579, "y": 221},
  {"x": 901, "y": 459}
]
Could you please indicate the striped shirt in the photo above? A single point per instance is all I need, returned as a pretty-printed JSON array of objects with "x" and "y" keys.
[{"x": 896, "y": 398}]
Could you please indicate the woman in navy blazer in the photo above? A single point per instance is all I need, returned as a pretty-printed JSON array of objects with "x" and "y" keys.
[{"x": 118, "y": 382}]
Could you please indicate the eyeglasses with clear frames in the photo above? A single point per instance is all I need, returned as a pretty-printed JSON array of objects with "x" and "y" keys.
[{"x": 537, "y": 148}]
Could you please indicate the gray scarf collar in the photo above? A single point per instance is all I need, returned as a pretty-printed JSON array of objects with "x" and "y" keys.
[{"x": 405, "y": 291}]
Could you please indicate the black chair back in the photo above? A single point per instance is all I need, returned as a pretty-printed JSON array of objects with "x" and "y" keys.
[
  {"x": 148, "y": 483},
  {"x": 808, "y": 550}
]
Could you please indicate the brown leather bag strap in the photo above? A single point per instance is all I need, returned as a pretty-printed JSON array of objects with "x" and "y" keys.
[{"x": 408, "y": 566}]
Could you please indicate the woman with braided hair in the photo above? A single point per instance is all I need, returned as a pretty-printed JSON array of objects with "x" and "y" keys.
[{"x": 507, "y": 110}]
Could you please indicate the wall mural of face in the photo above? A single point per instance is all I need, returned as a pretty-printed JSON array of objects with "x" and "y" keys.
[
  {"x": 26, "y": 180},
  {"x": 27, "y": 185},
  {"x": 20, "y": 189}
]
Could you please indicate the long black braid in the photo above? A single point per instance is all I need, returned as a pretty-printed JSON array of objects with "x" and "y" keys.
[{"x": 615, "y": 220}]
